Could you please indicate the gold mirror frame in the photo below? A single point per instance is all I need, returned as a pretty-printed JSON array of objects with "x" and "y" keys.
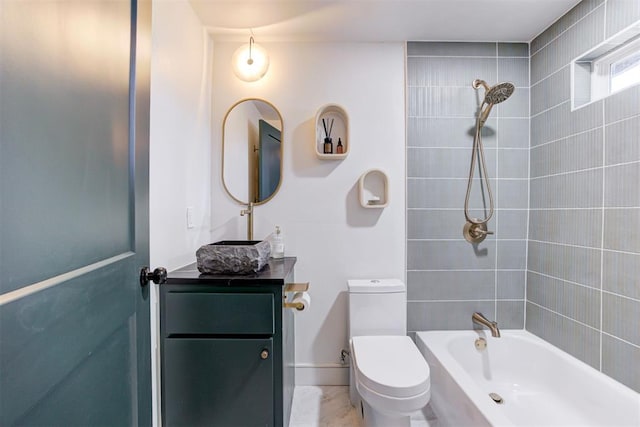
[{"x": 224, "y": 142}]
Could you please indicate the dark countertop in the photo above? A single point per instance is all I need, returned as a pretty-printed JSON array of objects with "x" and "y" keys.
[{"x": 273, "y": 273}]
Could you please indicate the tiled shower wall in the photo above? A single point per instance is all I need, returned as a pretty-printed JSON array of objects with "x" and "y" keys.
[
  {"x": 582, "y": 246},
  {"x": 448, "y": 278},
  {"x": 583, "y": 279}
]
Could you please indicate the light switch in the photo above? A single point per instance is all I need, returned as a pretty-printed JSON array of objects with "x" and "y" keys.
[{"x": 190, "y": 217}]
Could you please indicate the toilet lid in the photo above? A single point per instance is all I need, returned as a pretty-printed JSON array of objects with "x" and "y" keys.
[{"x": 390, "y": 365}]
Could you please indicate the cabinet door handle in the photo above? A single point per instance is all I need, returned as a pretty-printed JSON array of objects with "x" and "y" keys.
[{"x": 264, "y": 354}]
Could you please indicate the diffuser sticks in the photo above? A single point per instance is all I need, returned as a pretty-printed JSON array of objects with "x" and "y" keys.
[{"x": 328, "y": 144}]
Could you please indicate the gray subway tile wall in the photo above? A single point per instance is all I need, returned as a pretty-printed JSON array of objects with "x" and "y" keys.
[
  {"x": 622, "y": 141},
  {"x": 617, "y": 357},
  {"x": 445, "y": 132},
  {"x": 571, "y": 154},
  {"x": 511, "y": 285},
  {"x": 574, "y": 41},
  {"x": 620, "y": 14},
  {"x": 622, "y": 105},
  {"x": 570, "y": 18},
  {"x": 448, "y": 278},
  {"x": 577, "y": 339},
  {"x": 565, "y": 260},
  {"x": 583, "y": 282},
  {"x": 620, "y": 273}
]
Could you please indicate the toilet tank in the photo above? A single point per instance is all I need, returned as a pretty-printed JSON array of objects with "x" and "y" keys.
[{"x": 377, "y": 307}]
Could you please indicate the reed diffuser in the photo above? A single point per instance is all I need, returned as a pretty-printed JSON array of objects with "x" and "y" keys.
[{"x": 328, "y": 144}]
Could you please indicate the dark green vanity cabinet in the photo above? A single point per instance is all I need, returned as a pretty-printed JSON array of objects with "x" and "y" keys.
[{"x": 227, "y": 348}]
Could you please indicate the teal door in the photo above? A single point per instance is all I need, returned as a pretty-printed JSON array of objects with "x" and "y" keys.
[
  {"x": 74, "y": 320},
  {"x": 268, "y": 160}
]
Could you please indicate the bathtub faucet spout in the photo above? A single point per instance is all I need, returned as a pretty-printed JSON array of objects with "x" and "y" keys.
[{"x": 481, "y": 320}]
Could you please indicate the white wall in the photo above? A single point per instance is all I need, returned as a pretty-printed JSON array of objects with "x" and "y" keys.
[
  {"x": 180, "y": 152},
  {"x": 333, "y": 238},
  {"x": 180, "y": 133}
]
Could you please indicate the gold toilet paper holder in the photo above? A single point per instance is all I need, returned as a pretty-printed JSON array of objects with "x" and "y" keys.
[{"x": 294, "y": 287}]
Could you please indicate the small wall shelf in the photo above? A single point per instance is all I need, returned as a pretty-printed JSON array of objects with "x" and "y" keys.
[
  {"x": 340, "y": 130},
  {"x": 373, "y": 189}
]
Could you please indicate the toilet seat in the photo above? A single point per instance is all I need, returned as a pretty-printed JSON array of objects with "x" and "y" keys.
[{"x": 390, "y": 365}]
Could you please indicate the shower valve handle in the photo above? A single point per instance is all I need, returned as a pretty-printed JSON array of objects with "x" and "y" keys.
[{"x": 475, "y": 232}]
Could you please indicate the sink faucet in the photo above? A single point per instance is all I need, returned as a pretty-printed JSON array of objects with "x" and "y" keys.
[
  {"x": 481, "y": 320},
  {"x": 249, "y": 213}
]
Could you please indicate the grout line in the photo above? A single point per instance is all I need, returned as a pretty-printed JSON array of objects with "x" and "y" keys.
[
  {"x": 495, "y": 239},
  {"x": 406, "y": 161},
  {"x": 460, "y": 209},
  {"x": 566, "y": 245},
  {"x": 602, "y": 222},
  {"x": 567, "y": 29},
  {"x": 547, "y": 76},
  {"x": 466, "y": 57},
  {"x": 571, "y": 282},
  {"x": 603, "y": 291},
  {"x": 538, "y": 114},
  {"x": 461, "y": 117},
  {"x": 454, "y": 270},
  {"x": 591, "y": 103},
  {"x": 526, "y": 252},
  {"x": 615, "y": 294},
  {"x": 564, "y": 316},
  {"x": 570, "y": 245},
  {"x": 587, "y": 208},
  {"x": 497, "y": 197},
  {"x": 604, "y": 29},
  {"x": 573, "y": 172},
  {"x": 459, "y": 300},
  {"x": 621, "y": 339},
  {"x": 633, "y": 162},
  {"x": 465, "y": 148},
  {"x": 595, "y": 168},
  {"x": 573, "y": 135},
  {"x": 449, "y": 86},
  {"x": 461, "y": 178},
  {"x": 566, "y": 209},
  {"x": 624, "y": 119},
  {"x": 618, "y": 251}
]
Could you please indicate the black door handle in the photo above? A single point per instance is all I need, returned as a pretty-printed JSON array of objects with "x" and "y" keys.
[{"x": 158, "y": 276}]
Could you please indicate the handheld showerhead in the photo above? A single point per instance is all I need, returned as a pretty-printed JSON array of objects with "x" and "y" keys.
[
  {"x": 499, "y": 93},
  {"x": 494, "y": 94},
  {"x": 475, "y": 230}
]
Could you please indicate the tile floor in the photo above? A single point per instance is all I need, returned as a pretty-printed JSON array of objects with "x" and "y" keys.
[{"x": 329, "y": 406}]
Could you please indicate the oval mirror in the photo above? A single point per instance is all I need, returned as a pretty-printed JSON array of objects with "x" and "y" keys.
[{"x": 252, "y": 151}]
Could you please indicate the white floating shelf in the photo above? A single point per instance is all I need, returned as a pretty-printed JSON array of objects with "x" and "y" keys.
[
  {"x": 373, "y": 189},
  {"x": 340, "y": 130}
]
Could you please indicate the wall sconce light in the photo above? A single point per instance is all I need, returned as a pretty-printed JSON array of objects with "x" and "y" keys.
[{"x": 250, "y": 62}]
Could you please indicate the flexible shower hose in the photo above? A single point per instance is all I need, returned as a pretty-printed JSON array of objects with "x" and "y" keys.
[{"x": 478, "y": 149}]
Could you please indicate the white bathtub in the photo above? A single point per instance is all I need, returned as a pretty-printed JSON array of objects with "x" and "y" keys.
[{"x": 540, "y": 385}]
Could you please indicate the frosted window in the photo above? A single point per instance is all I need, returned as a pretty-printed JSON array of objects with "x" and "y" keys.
[{"x": 625, "y": 72}]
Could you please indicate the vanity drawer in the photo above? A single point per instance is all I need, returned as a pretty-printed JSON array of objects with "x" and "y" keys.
[{"x": 219, "y": 313}]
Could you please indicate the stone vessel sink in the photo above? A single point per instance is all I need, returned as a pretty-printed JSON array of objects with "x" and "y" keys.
[{"x": 233, "y": 256}]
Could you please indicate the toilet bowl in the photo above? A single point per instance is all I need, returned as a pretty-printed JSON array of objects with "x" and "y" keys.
[{"x": 389, "y": 377}]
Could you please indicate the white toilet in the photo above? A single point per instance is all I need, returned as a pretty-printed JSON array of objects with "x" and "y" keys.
[{"x": 389, "y": 377}]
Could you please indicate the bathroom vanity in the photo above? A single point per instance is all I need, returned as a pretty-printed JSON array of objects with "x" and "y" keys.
[{"x": 227, "y": 347}]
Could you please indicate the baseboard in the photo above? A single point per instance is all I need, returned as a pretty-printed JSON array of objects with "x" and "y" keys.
[{"x": 322, "y": 374}]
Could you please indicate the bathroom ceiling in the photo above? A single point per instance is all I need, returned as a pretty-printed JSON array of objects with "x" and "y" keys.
[{"x": 380, "y": 20}]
